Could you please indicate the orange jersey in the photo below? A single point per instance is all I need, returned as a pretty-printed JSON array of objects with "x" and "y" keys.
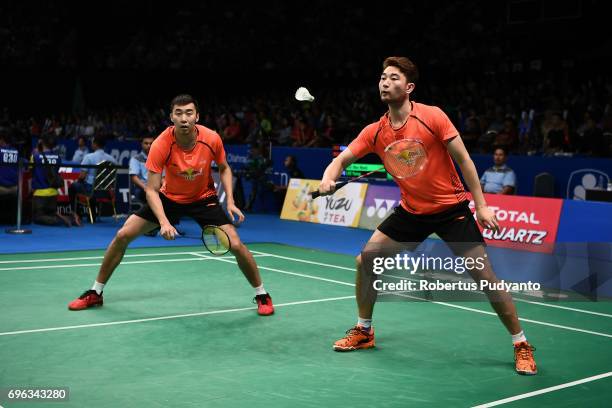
[
  {"x": 438, "y": 186},
  {"x": 188, "y": 173}
]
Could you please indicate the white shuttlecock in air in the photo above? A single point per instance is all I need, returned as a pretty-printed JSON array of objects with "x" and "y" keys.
[{"x": 302, "y": 94}]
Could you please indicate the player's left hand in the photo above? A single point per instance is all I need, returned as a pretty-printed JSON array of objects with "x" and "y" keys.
[
  {"x": 487, "y": 219},
  {"x": 234, "y": 212}
]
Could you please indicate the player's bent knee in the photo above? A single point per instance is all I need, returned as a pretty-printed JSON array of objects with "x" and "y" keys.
[
  {"x": 237, "y": 246},
  {"x": 125, "y": 236},
  {"x": 121, "y": 236}
]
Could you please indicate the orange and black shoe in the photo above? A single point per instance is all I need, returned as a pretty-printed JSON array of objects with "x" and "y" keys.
[
  {"x": 356, "y": 338},
  {"x": 89, "y": 298},
  {"x": 523, "y": 358},
  {"x": 264, "y": 304}
]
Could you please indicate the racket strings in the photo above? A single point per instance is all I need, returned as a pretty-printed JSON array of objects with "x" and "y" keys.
[
  {"x": 216, "y": 240},
  {"x": 405, "y": 158}
]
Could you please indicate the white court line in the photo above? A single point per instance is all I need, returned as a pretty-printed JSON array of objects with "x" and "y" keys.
[
  {"x": 199, "y": 258},
  {"x": 564, "y": 308},
  {"x": 516, "y": 299},
  {"x": 278, "y": 270},
  {"x": 346, "y": 268},
  {"x": 152, "y": 319},
  {"x": 558, "y": 326},
  {"x": 544, "y": 390},
  {"x": 79, "y": 258},
  {"x": 522, "y": 319}
]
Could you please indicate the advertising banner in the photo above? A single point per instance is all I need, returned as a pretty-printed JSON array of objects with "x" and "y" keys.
[
  {"x": 342, "y": 208},
  {"x": 526, "y": 223},
  {"x": 298, "y": 205},
  {"x": 379, "y": 203}
]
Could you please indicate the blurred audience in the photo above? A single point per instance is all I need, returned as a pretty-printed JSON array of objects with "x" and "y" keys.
[{"x": 500, "y": 83}]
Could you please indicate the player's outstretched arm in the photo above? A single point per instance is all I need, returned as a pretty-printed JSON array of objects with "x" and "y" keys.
[
  {"x": 152, "y": 190},
  {"x": 459, "y": 153},
  {"x": 225, "y": 174},
  {"x": 334, "y": 170}
]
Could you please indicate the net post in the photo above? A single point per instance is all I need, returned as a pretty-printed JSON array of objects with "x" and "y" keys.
[{"x": 18, "y": 229}]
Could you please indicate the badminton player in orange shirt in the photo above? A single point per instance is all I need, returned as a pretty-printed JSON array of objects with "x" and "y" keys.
[
  {"x": 185, "y": 151},
  {"x": 433, "y": 201}
]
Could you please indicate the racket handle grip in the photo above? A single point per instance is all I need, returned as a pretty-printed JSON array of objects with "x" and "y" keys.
[{"x": 339, "y": 185}]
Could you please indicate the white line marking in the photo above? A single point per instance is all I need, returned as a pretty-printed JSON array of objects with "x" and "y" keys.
[
  {"x": 151, "y": 319},
  {"x": 565, "y": 308},
  {"x": 558, "y": 326},
  {"x": 544, "y": 390},
  {"x": 346, "y": 268},
  {"x": 279, "y": 271},
  {"x": 78, "y": 258},
  {"x": 439, "y": 303},
  {"x": 352, "y": 269},
  {"x": 199, "y": 258},
  {"x": 517, "y": 299}
]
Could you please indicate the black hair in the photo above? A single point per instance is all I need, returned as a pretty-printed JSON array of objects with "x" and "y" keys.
[
  {"x": 100, "y": 141},
  {"x": 184, "y": 99}
]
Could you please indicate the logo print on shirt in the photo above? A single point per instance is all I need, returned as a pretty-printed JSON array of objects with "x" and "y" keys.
[{"x": 190, "y": 174}]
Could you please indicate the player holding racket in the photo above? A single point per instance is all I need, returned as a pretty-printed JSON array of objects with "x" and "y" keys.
[
  {"x": 433, "y": 200},
  {"x": 185, "y": 151}
]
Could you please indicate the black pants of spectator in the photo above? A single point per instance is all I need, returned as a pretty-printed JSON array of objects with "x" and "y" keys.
[
  {"x": 44, "y": 210},
  {"x": 258, "y": 186},
  {"x": 80, "y": 187}
]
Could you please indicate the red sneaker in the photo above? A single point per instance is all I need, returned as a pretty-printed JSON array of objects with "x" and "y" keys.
[
  {"x": 88, "y": 299},
  {"x": 356, "y": 338},
  {"x": 264, "y": 304},
  {"x": 523, "y": 358}
]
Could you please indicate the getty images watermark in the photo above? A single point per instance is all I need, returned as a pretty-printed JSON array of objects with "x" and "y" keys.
[
  {"x": 398, "y": 265},
  {"x": 437, "y": 271}
]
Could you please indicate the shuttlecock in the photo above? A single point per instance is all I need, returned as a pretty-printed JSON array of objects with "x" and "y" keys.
[{"x": 302, "y": 94}]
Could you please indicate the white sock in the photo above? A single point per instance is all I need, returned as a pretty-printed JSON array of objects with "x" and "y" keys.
[
  {"x": 98, "y": 287},
  {"x": 260, "y": 290},
  {"x": 365, "y": 323},
  {"x": 519, "y": 337}
]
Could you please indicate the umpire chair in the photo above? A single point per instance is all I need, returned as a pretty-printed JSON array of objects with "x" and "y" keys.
[{"x": 103, "y": 190}]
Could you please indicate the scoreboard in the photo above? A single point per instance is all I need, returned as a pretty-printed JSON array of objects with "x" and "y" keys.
[{"x": 362, "y": 166}]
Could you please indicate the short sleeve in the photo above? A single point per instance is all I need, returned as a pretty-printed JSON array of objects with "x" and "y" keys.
[
  {"x": 442, "y": 126},
  {"x": 156, "y": 158},
  {"x": 134, "y": 167},
  {"x": 77, "y": 155},
  {"x": 364, "y": 143},
  {"x": 509, "y": 179},
  {"x": 218, "y": 149}
]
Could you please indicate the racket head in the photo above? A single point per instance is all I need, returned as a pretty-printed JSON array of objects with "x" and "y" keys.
[
  {"x": 216, "y": 241},
  {"x": 405, "y": 158}
]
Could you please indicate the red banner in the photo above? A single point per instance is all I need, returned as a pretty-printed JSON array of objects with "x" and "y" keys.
[{"x": 526, "y": 223}]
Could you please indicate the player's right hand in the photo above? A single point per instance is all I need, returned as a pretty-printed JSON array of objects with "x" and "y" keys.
[
  {"x": 327, "y": 187},
  {"x": 168, "y": 231}
]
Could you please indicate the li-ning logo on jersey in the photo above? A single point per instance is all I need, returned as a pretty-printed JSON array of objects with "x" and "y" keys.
[{"x": 190, "y": 174}]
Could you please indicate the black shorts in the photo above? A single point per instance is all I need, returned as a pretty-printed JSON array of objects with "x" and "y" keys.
[
  {"x": 204, "y": 212},
  {"x": 456, "y": 224}
]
